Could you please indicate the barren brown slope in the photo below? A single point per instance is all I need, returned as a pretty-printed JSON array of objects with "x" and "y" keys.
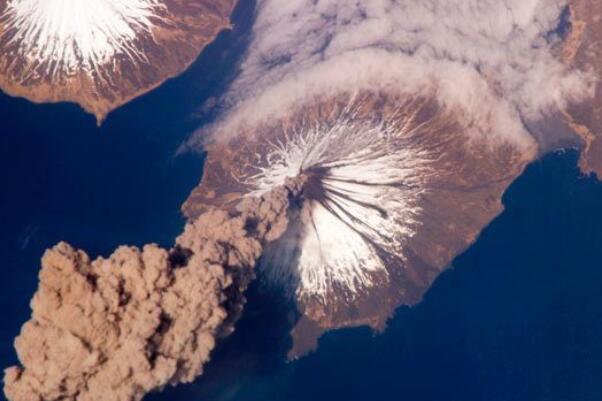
[{"x": 583, "y": 49}]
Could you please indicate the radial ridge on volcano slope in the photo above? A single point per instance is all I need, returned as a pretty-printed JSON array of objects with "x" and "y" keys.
[
  {"x": 101, "y": 53},
  {"x": 395, "y": 187}
]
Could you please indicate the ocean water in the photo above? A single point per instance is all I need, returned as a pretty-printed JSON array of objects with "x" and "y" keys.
[
  {"x": 64, "y": 178},
  {"x": 518, "y": 317}
]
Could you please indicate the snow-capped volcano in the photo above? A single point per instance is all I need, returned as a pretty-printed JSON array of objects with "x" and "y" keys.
[
  {"x": 361, "y": 200},
  {"x": 101, "y": 53},
  {"x": 395, "y": 185},
  {"x": 66, "y": 37}
]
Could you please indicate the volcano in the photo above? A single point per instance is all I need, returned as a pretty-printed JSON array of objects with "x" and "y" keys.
[
  {"x": 395, "y": 186},
  {"x": 101, "y": 53}
]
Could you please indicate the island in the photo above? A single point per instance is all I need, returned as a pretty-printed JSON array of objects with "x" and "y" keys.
[
  {"x": 396, "y": 186},
  {"x": 101, "y": 54}
]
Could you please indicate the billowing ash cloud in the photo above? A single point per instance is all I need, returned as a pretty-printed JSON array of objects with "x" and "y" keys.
[{"x": 117, "y": 328}]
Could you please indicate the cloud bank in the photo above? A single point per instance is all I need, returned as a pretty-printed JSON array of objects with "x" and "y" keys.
[{"x": 491, "y": 60}]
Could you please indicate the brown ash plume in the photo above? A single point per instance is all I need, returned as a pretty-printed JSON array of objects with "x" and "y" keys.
[{"x": 118, "y": 328}]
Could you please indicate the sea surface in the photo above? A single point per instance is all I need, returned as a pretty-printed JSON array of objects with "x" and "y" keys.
[{"x": 518, "y": 317}]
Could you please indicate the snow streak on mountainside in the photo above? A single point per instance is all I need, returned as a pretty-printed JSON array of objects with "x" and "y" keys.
[
  {"x": 101, "y": 53},
  {"x": 361, "y": 201},
  {"x": 71, "y": 36}
]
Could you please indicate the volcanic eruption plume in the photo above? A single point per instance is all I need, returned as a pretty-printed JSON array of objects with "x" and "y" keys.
[{"x": 117, "y": 328}]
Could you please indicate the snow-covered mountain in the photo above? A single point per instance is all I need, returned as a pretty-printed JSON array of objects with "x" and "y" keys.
[
  {"x": 395, "y": 186},
  {"x": 101, "y": 53}
]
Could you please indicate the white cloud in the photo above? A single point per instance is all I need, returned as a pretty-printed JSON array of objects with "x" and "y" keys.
[{"x": 491, "y": 58}]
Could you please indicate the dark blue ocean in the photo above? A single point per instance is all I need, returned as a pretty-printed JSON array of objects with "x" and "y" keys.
[{"x": 517, "y": 318}]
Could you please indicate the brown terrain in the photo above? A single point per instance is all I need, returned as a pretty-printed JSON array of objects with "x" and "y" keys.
[
  {"x": 180, "y": 33},
  {"x": 462, "y": 193},
  {"x": 583, "y": 50}
]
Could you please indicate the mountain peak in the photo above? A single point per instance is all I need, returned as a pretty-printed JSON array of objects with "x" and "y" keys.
[{"x": 101, "y": 53}]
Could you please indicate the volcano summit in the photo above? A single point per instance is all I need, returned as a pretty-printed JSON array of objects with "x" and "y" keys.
[
  {"x": 395, "y": 186},
  {"x": 101, "y": 53}
]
